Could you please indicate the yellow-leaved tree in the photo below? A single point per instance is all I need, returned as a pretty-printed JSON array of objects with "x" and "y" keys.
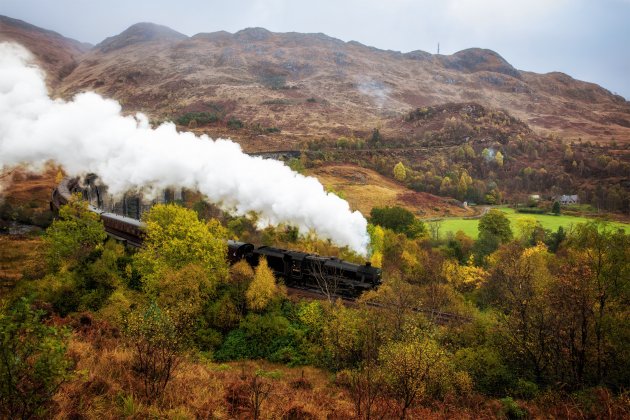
[
  {"x": 400, "y": 172},
  {"x": 263, "y": 287},
  {"x": 183, "y": 258}
]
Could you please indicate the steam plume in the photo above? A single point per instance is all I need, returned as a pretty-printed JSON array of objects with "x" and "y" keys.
[{"x": 89, "y": 134}]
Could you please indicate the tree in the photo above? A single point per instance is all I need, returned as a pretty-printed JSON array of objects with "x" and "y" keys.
[
  {"x": 606, "y": 253},
  {"x": 176, "y": 238},
  {"x": 498, "y": 158},
  {"x": 398, "y": 219},
  {"x": 518, "y": 285},
  {"x": 434, "y": 227},
  {"x": 74, "y": 235},
  {"x": 400, "y": 173},
  {"x": 555, "y": 209},
  {"x": 263, "y": 287},
  {"x": 495, "y": 223},
  {"x": 375, "y": 138},
  {"x": 530, "y": 230},
  {"x": 158, "y": 343},
  {"x": 412, "y": 367},
  {"x": 33, "y": 362}
]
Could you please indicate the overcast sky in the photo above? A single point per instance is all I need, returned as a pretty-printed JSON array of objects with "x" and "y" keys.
[{"x": 588, "y": 39}]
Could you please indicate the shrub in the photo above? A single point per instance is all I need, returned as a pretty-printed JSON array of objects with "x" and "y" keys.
[
  {"x": 532, "y": 210},
  {"x": 268, "y": 336},
  {"x": 556, "y": 208},
  {"x": 201, "y": 118},
  {"x": 157, "y": 342},
  {"x": 235, "y": 123},
  {"x": 491, "y": 376},
  {"x": 33, "y": 362},
  {"x": 511, "y": 409},
  {"x": 399, "y": 220}
]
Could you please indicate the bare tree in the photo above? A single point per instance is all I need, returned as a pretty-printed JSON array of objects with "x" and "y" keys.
[
  {"x": 327, "y": 277},
  {"x": 259, "y": 391}
]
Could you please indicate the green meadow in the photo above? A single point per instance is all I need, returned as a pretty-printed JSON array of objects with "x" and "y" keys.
[{"x": 548, "y": 221}]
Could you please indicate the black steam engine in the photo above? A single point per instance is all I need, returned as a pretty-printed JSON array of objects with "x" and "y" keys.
[
  {"x": 297, "y": 269},
  {"x": 308, "y": 271}
]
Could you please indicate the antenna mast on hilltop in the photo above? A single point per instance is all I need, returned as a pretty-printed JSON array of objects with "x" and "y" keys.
[{"x": 438, "y": 47}]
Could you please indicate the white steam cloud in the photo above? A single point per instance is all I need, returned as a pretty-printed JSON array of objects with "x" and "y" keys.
[{"x": 89, "y": 135}]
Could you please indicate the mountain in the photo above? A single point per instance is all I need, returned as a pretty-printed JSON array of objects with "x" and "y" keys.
[
  {"x": 311, "y": 85},
  {"x": 55, "y": 53}
]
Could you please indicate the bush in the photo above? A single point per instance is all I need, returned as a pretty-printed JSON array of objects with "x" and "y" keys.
[
  {"x": 490, "y": 375},
  {"x": 157, "y": 342},
  {"x": 268, "y": 336},
  {"x": 398, "y": 219},
  {"x": 531, "y": 210},
  {"x": 235, "y": 123},
  {"x": 511, "y": 409},
  {"x": 201, "y": 118},
  {"x": 33, "y": 362}
]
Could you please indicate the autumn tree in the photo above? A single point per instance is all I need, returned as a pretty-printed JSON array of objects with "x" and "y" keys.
[
  {"x": 400, "y": 173},
  {"x": 176, "y": 238},
  {"x": 33, "y": 363},
  {"x": 518, "y": 285},
  {"x": 412, "y": 367},
  {"x": 495, "y": 223},
  {"x": 377, "y": 237},
  {"x": 607, "y": 255},
  {"x": 74, "y": 235},
  {"x": 498, "y": 158},
  {"x": 263, "y": 287},
  {"x": 530, "y": 230},
  {"x": 494, "y": 229},
  {"x": 158, "y": 343}
]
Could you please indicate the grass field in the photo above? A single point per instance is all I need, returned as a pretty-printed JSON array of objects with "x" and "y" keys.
[{"x": 469, "y": 227}]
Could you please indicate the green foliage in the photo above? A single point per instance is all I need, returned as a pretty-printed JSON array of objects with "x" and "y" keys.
[
  {"x": 414, "y": 369},
  {"x": 495, "y": 223},
  {"x": 200, "y": 118},
  {"x": 296, "y": 165},
  {"x": 490, "y": 374},
  {"x": 235, "y": 124},
  {"x": 176, "y": 238},
  {"x": 157, "y": 342},
  {"x": 511, "y": 409},
  {"x": 33, "y": 362},
  {"x": 531, "y": 210},
  {"x": 555, "y": 209},
  {"x": 375, "y": 138},
  {"x": 74, "y": 236},
  {"x": 268, "y": 336},
  {"x": 398, "y": 219}
]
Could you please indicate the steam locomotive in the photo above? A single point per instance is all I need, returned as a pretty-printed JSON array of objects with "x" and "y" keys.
[
  {"x": 328, "y": 275},
  {"x": 301, "y": 270}
]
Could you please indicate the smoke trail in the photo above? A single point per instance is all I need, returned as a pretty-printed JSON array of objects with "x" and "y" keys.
[{"x": 89, "y": 134}]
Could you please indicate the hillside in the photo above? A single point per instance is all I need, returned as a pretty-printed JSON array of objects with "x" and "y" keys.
[
  {"x": 56, "y": 54},
  {"x": 364, "y": 189},
  {"x": 312, "y": 85}
]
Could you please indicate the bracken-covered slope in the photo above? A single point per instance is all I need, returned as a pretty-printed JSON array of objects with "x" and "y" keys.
[{"x": 312, "y": 85}]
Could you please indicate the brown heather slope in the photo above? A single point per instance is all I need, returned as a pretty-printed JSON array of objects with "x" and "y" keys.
[
  {"x": 364, "y": 188},
  {"x": 56, "y": 54},
  {"x": 312, "y": 85}
]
